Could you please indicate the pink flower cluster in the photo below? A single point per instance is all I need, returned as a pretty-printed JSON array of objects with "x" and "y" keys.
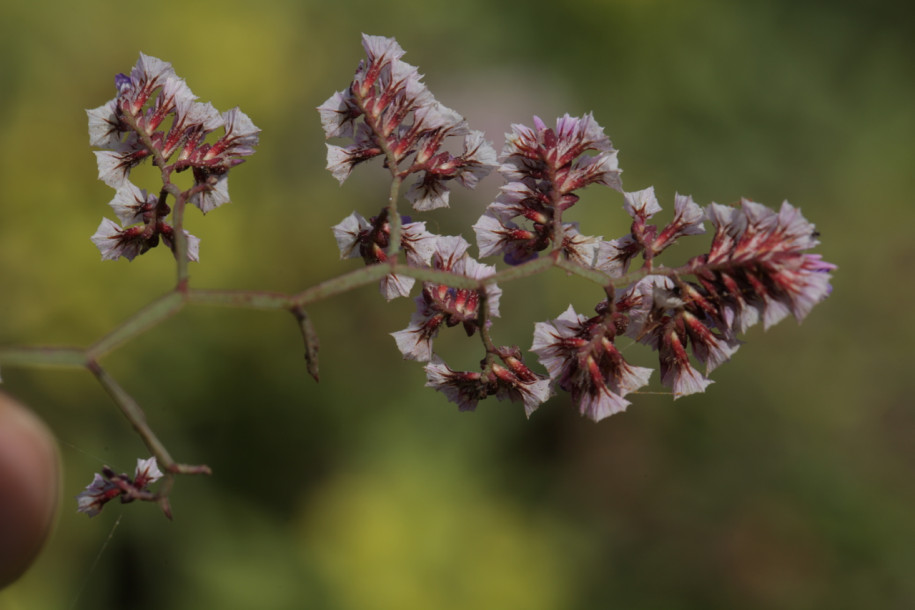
[
  {"x": 105, "y": 488},
  {"x": 756, "y": 267},
  {"x": 542, "y": 168},
  {"x": 403, "y": 121},
  {"x": 369, "y": 239},
  {"x": 155, "y": 115},
  {"x": 439, "y": 304}
]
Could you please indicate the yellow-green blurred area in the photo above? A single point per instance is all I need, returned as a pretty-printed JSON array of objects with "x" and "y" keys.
[{"x": 789, "y": 484}]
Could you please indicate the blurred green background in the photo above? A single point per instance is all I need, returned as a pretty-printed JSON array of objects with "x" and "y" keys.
[{"x": 789, "y": 484}]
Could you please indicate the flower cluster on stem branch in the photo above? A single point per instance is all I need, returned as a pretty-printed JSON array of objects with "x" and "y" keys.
[
  {"x": 107, "y": 486},
  {"x": 756, "y": 268},
  {"x": 156, "y": 116}
]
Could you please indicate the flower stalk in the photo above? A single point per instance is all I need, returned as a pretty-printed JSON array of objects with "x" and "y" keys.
[{"x": 758, "y": 267}]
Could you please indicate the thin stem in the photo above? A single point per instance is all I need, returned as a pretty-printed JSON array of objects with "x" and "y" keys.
[
  {"x": 246, "y": 299},
  {"x": 153, "y": 314},
  {"x": 396, "y": 179},
  {"x": 133, "y": 413},
  {"x": 68, "y": 357},
  {"x": 394, "y": 217},
  {"x": 180, "y": 240},
  {"x": 438, "y": 276},
  {"x": 485, "y": 317},
  {"x": 598, "y": 277},
  {"x": 310, "y": 336},
  {"x": 342, "y": 283},
  {"x": 531, "y": 267}
]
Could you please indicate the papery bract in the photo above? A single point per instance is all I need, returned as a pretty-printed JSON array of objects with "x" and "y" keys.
[
  {"x": 581, "y": 358},
  {"x": 108, "y": 486},
  {"x": 132, "y": 127},
  {"x": 543, "y": 167},
  {"x": 402, "y": 120}
]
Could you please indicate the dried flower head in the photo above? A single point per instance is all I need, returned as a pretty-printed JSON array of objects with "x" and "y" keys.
[
  {"x": 402, "y": 120},
  {"x": 542, "y": 168},
  {"x": 440, "y": 304},
  {"x": 135, "y": 126},
  {"x": 581, "y": 358},
  {"x": 105, "y": 488}
]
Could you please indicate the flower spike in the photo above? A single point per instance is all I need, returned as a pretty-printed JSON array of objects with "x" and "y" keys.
[
  {"x": 403, "y": 121},
  {"x": 543, "y": 167},
  {"x": 581, "y": 358},
  {"x": 132, "y": 128}
]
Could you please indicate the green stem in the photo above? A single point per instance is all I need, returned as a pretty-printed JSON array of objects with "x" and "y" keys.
[
  {"x": 341, "y": 284},
  {"x": 532, "y": 267},
  {"x": 438, "y": 276},
  {"x": 310, "y": 336},
  {"x": 133, "y": 413},
  {"x": 156, "y": 312},
  {"x": 598, "y": 277},
  {"x": 486, "y": 311},
  {"x": 394, "y": 217},
  {"x": 180, "y": 240},
  {"x": 71, "y": 357},
  {"x": 240, "y": 298}
]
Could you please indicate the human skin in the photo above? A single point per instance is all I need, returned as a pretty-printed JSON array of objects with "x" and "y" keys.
[{"x": 29, "y": 487}]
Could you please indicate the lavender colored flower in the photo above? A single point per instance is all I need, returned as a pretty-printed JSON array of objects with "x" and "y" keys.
[
  {"x": 105, "y": 129},
  {"x": 515, "y": 382},
  {"x": 688, "y": 217},
  {"x": 210, "y": 163},
  {"x": 147, "y": 472},
  {"x": 615, "y": 256},
  {"x": 369, "y": 239},
  {"x": 543, "y": 167},
  {"x": 463, "y": 388},
  {"x": 662, "y": 318},
  {"x": 511, "y": 381},
  {"x": 212, "y": 190},
  {"x": 133, "y": 127},
  {"x": 641, "y": 205},
  {"x": 496, "y": 236},
  {"x": 96, "y": 495},
  {"x": 756, "y": 267},
  {"x": 114, "y": 242},
  {"x": 350, "y": 233},
  {"x": 108, "y": 486},
  {"x": 401, "y": 118},
  {"x": 581, "y": 358},
  {"x": 114, "y": 165},
  {"x": 430, "y": 191},
  {"x": 440, "y": 304},
  {"x": 193, "y": 242},
  {"x": 535, "y": 153},
  {"x": 338, "y": 114},
  {"x": 581, "y": 249},
  {"x": 132, "y": 205}
]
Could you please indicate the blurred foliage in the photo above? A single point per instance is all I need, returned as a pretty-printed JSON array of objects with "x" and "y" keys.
[{"x": 788, "y": 485}]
